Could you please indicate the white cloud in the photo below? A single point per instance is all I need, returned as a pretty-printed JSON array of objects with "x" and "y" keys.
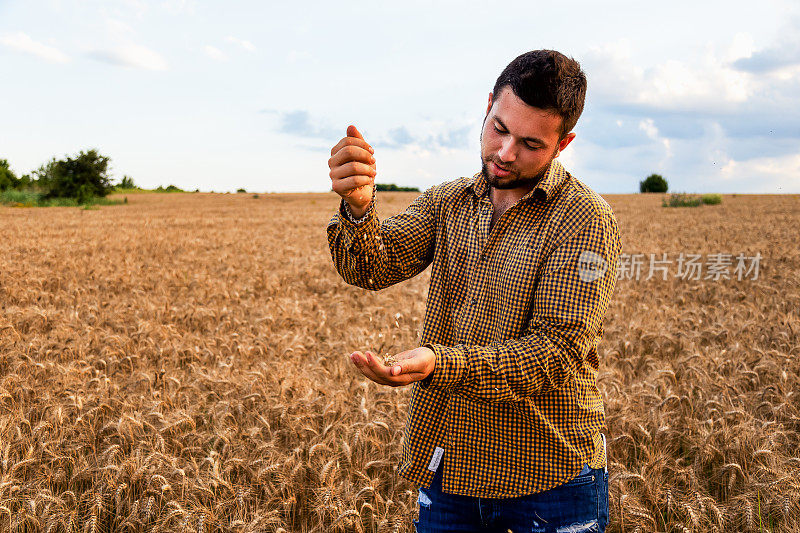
[
  {"x": 178, "y": 6},
  {"x": 764, "y": 174},
  {"x": 702, "y": 119},
  {"x": 116, "y": 28},
  {"x": 215, "y": 53},
  {"x": 247, "y": 45},
  {"x": 649, "y": 128},
  {"x": 678, "y": 83},
  {"x": 295, "y": 56},
  {"x": 431, "y": 135},
  {"x": 611, "y": 71},
  {"x": 706, "y": 81},
  {"x": 23, "y": 43},
  {"x": 137, "y": 8},
  {"x": 743, "y": 45},
  {"x": 569, "y": 157},
  {"x": 131, "y": 55}
]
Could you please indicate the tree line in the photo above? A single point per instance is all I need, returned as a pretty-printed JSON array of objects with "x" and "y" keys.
[{"x": 83, "y": 178}]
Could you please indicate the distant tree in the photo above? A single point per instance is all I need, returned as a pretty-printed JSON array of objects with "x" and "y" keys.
[
  {"x": 391, "y": 187},
  {"x": 169, "y": 188},
  {"x": 241, "y": 190},
  {"x": 653, "y": 183},
  {"x": 81, "y": 177},
  {"x": 25, "y": 182},
  {"x": 127, "y": 183},
  {"x": 8, "y": 180}
]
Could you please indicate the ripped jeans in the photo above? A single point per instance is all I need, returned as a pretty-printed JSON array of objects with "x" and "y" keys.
[{"x": 577, "y": 506}]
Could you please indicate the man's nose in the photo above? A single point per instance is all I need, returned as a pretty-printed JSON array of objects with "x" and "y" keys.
[{"x": 507, "y": 151}]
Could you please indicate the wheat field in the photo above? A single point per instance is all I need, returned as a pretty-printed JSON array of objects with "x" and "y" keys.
[{"x": 179, "y": 364}]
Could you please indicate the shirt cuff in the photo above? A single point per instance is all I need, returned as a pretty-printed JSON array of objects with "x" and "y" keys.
[
  {"x": 358, "y": 221},
  {"x": 355, "y": 236},
  {"x": 450, "y": 369}
]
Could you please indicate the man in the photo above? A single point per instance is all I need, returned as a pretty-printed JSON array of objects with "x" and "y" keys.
[{"x": 503, "y": 430}]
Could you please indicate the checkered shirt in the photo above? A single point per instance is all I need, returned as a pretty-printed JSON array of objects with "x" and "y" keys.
[{"x": 514, "y": 316}]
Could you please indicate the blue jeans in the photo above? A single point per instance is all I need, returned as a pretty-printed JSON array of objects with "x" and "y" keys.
[{"x": 577, "y": 506}]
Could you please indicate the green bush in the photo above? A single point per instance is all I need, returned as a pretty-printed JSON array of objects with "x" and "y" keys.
[
  {"x": 241, "y": 190},
  {"x": 73, "y": 181},
  {"x": 84, "y": 195},
  {"x": 711, "y": 199},
  {"x": 681, "y": 199},
  {"x": 27, "y": 198},
  {"x": 127, "y": 183},
  {"x": 58, "y": 202},
  {"x": 32, "y": 198},
  {"x": 653, "y": 183},
  {"x": 8, "y": 180},
  {"x": 81, "y": 177},
  {"x": 169, "y": 188}
]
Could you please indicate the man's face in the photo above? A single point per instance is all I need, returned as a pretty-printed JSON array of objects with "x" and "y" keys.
[{"x": 518, "y": 142}]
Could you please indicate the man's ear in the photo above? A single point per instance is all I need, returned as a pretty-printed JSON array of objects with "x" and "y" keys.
[
  {"x": 565, "y": 141},
  {"x": 489, "y": 106}
]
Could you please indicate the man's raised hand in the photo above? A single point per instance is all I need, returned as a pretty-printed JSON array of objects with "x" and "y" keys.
[{"x": 353, "y": 171}]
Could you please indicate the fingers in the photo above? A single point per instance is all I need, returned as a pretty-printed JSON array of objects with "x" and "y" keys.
[
  {"x": 368, "y": 365},
  {"x": 405, "y": 367},
  {"x": 345, "y": 186},
  {"x": 352, "y": 168},
  {"x": 373, "y": 368},
  {"x": 352, "y": 141},
  {"x": 353, "y": 138},
  {"x": 411, "y": 367},
  {"x": 350, "y": 153},
  {"x": 352, "y": 131}
]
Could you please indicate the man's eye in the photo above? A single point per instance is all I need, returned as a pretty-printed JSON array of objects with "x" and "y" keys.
[
  {"x": 498, "y": 130},
  {"x": 529, "y": 147}
]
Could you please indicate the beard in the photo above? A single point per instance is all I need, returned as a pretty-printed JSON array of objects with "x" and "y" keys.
[{"x": 515, "y": 180}]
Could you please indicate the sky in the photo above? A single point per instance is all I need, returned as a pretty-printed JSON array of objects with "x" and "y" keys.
[{"x": 218, "y": 95}]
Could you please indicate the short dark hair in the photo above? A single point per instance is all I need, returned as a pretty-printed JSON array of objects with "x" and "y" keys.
[{"x": 548, "y": 80}]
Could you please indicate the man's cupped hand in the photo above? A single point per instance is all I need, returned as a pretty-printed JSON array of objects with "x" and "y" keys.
[{"x": 410, "y": 366}]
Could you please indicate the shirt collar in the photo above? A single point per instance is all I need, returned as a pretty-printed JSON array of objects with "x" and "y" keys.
[{"x": 550, "y": 183}]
